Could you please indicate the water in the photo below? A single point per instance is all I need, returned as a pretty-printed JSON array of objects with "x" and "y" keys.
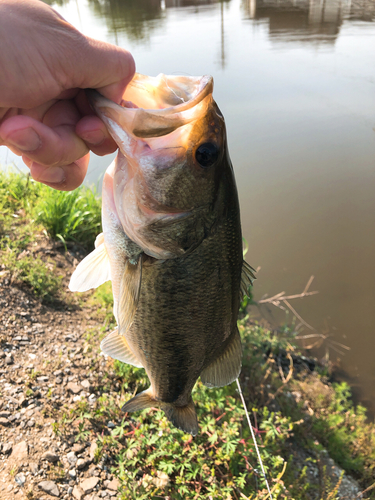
[{"x": 296, "y": 83}]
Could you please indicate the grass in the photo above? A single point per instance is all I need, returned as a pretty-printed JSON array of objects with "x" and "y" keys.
[
  {"x": 30, "y": 213},
  {"x": 66, "y": 216},
  {"x": 38, "y": 274},
  {"x": 150, "y": 457},
  {"x": 69, "y": 216}
]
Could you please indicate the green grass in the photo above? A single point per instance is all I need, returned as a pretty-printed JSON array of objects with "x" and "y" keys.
[
  {"x": 29, "y": 211},
  {"x": 40, "y": 276},
  {"x": 344, "y": 429},
  {"x": 66, "y": 216},
  {"x": 69, "y": 216},
  {"x": 17, "y": 192}
]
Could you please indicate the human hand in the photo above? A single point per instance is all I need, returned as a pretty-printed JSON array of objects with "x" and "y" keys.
[{"x": 44, "y": 115}]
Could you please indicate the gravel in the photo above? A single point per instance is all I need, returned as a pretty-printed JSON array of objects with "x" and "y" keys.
[{"x": 39, "y": 380}]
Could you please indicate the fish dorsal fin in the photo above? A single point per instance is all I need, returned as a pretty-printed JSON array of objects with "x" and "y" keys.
[
  {"x": 130, "y": 289},
  {"x": 247, "y": 279},
  {"x": 93, "y": 270},
  {"x": 226, "y": 367},
  {"x": 115, "y": 345}
]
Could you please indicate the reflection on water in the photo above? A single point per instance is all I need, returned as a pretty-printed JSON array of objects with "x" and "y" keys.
[
  {"x": 301, "y": 122},
  {"x": 311, "y": 21},
  {"x": 137, "y": 18},
  {"x": 190, "y": 3}
]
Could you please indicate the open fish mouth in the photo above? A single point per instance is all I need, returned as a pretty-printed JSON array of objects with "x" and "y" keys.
[
  {"x": 158, "y": 181},
  {"x": 153, "y": 107}
]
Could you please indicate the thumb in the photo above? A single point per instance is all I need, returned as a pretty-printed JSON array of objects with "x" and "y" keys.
[{"x": 104, "y": 67}]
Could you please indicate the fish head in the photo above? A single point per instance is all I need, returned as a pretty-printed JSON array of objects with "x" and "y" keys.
[{"x": 172, "y": 153}]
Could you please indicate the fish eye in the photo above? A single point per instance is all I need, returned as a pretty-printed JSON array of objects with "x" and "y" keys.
[{"x": 206, "y": 154}]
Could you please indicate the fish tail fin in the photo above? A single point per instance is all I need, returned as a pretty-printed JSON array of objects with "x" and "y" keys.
[
  {"x": 182, "y": 417},
  {"x": 140, "y": 402}
]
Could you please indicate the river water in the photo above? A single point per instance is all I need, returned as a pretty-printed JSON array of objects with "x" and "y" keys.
[{"x": 295, "y": 81}]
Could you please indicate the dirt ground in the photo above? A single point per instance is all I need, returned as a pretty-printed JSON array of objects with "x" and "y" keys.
[{"x": 44, "y": 371}]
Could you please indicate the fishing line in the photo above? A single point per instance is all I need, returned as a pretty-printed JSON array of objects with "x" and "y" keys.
[{"x": 253, "y": 436}]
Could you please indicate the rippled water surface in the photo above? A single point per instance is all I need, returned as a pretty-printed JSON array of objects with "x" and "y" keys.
[{"x": 296, "y": 83}]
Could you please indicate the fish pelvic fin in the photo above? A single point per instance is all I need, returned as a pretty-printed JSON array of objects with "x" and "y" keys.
[
  {"x": 182, "y": 417},
  {"x": 116, "y": 346},
  {"x": 93, "y": 270},
  {"x": 227, "y": 366},
  {"x": 130, "y": 289},
  {"x": 247, "y": 279}
]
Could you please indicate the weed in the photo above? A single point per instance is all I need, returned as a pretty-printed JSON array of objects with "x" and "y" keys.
[
  {"x": 34, "y": 272},
  {"x": 34, "y": 374},
  {"x": 70, "y": 216},
  {"x": 17, "y": 192},
  {"x": 102, "y": 301}
]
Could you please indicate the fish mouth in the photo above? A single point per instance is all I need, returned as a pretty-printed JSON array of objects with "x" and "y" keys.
[
  {"x": 153, "y": 107},
  {"x": 154, "y": 127}
]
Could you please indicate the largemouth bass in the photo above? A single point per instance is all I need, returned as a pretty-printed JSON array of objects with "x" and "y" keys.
[{"x": 171, "y": 242}]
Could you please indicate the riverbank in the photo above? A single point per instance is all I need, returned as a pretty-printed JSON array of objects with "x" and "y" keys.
[{"x": 62, "y": 433}]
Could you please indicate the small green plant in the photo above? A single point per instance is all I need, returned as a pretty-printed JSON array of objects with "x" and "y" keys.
[
  {"x": 70, "y": 216},
  {"x": 34, "y": 374},
  {"x": 17, "y": 192},
  {"x": 14, "y": 470},
  {"x": 38, "y": 275},
  {"x": 102, "y": 301}
]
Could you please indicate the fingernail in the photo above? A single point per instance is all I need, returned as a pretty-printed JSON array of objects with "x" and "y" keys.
[
  {"x": 25, "y": 139},
  {"x": 95, "y": 138},
  {"x": 52, "y": 175}
]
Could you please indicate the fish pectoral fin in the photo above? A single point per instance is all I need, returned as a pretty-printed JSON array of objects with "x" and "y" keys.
[
  {"x": 93, "y": 270},
  {"x": 182, "y": 417},
  {"x": 247, "y": 279},
  {"x": 226, "y": 367},
  {"x": 99, "y": 240},
  {"x": 115, "y": 345},
  {"x": 130, "y": 289}
]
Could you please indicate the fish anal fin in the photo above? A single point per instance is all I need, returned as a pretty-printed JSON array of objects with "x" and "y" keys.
[
  {"x": 130, "y": 289},
  {"x": 93, "y": 270},
  {"x": 182, "y": 417},
  {"x": 140, "y": 402},
  {"x": 116, "y": 346},
  {"x": 227, "y": 366}
]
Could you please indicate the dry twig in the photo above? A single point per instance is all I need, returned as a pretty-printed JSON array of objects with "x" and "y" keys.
[{"x": 281, "y": 301}]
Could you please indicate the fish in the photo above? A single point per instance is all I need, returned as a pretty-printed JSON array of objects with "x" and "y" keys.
[{"x": 171, "y": 242}]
